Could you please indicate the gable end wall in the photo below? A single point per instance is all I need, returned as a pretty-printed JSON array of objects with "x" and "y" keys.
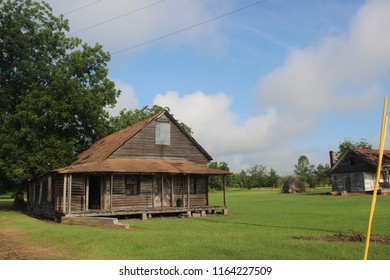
[{"x": 143, "y": 145}]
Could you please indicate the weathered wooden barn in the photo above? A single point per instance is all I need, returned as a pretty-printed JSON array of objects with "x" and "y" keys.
[
  {"x": 355, "y": 171},
  {"x": 152, "y": 167}
]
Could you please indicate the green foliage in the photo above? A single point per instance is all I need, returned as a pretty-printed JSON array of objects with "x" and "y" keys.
[
  {"x": 310, "y": 174},
  {"x": 322, "y": 173},
  {"x": 348, "y": 144},
  {"x": 53, "y": 92},
  {"x": 257, "y": 177},
  {"x": 216, "y": 182}
]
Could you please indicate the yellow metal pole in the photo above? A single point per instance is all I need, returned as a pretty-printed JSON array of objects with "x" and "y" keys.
[{"x": 378, "y": 176}]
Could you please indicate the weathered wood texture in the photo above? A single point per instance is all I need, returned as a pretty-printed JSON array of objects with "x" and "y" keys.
[
  {"x": 41, "y": 196},
  {"x": 143, "y": 145},
  {"x": 352, "y": 162},
  {"x": 354, "y": 173},
  {"x": 349, "y": 182}
]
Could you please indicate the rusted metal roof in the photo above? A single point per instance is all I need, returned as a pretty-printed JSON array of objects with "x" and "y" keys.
[
  {"x": 372, "y": 156},
  {"x": 133, "y": 165},
  {"x": 96, "y": 158},
  {"x": 103, "y": 148}
]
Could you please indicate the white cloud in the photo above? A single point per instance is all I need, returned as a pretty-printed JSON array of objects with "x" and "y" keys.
[
  {"x": 338, "y": 74},
  {"x": 127, "y": 99},
  {"x": 141, "y": 21},
  {"x": 241, "y": 143}
]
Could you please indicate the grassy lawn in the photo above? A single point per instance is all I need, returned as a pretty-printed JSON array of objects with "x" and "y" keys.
[{"x": 262, "y": 224}]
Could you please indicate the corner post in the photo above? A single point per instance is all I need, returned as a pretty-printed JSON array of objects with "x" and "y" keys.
[{"x": 224, "y": 191}]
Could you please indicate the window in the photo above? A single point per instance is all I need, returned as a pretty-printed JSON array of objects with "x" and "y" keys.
[
  {"x": 352, "y": 161},
  {"x": 132, "y": 186},
  {"x": 163, "y": 133}
]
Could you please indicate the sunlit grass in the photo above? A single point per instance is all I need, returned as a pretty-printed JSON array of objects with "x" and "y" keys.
[{"x": 262, "y": 224}]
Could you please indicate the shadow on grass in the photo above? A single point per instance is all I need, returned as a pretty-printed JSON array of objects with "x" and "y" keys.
[{"x": 272, "y": 226}]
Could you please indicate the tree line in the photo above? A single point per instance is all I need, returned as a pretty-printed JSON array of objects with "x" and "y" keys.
[{"x": 259, "y": 176}]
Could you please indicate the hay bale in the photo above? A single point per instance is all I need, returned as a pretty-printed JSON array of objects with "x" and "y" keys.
[{"x": 294, "y": 185}]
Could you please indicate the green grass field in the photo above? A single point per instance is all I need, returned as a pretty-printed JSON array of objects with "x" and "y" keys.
[{"x": 262, "y": 224}]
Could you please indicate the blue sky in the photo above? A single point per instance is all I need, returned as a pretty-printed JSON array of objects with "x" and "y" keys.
[{"x": 263, "y": 85}]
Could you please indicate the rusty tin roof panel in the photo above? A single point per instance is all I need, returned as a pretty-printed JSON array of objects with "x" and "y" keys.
[
  {"x": 142, "y": 166},
  {"x": 372, "y": 156}
]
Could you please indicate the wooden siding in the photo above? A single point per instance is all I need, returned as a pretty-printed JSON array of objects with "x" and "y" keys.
[
  {"x": 348, "y": 181},
  {"x": 42, "y": 196},
  {"x": 155, "y": 192},
  {"x": 78, "y": 193},
  {"x": 143, "y": 145},
  {"x": 352, "y": 162}
]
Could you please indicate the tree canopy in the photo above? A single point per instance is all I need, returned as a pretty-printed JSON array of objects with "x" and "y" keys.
[
  {"x": 53, "y": 90},
  {"x": 348, "y": 144}
]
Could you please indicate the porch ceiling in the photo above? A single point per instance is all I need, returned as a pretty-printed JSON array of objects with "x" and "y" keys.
[{"x": 142, "y": 166}]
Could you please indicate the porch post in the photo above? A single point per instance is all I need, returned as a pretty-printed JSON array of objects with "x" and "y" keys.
[
  {"x": 182, "y": 191},
  {"x": 172, "y": 189},
  {"x": 224, "y": 191},
  {"x": 111, "y": 186},
  {"x": 64, "y": 194},
  {"x": 162, "y": 191},
  {"x": 207, "y": 190},
  {"x": 70, "y": 193},
  {"x": 188, "y": 191},
  {"x": 87, "y": 193}
]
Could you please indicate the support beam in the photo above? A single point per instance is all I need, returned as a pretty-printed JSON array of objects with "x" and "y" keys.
[
  {"x": 172, "y": 190},
  {"x": 162, "y": 192},
  {"x": 70, "y": 193},
  {"x": 111, "y": 191},
  {"x": 87, "y": 194},
  {"x": 64, "y": 193},
  {"x": 224, "y": 191},
  {"x": 188, "y": 191}
]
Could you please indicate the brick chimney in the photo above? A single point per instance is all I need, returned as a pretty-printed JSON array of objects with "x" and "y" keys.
[{"x": 332, "y": 158}]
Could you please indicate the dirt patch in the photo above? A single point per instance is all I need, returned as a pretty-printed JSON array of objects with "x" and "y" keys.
[
  {"x": 15, "y": 247},
  {"x": 353, "y": 237}
]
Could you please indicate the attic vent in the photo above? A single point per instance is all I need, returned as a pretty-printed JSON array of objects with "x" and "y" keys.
[
  {"x": 163, "y": 133},
  {"x": 352, "y": 161}
]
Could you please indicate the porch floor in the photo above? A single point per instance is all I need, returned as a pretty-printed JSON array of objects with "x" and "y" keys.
[{"x": 144, "y": 214}]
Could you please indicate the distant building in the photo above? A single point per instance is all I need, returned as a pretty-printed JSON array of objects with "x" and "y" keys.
[
  {"x": 151, "y": 167},
  {"x": 355, "y": 171}
]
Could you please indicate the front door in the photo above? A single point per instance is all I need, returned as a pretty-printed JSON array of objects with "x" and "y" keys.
[
  {"x": 94, "y": 192},
  {"x": 347, "y": 183},
  {"x": 162, "y": 192}
]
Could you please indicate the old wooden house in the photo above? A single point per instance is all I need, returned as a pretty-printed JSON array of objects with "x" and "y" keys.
[
  {"x": 149, "y": 168},
  {"x": 356, "y": 170}
]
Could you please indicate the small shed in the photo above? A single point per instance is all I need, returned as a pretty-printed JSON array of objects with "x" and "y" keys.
[
  {"x": 152, "y": 167},
  {"x": 355, "y": 171}
]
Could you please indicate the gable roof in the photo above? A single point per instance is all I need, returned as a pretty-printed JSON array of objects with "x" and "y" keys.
[
  {"x": 371, "y": 156},
  {"x": 104, "y": 147}
]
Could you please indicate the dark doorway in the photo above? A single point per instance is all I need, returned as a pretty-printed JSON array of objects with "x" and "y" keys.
[
  {"x": 347, "y": 183},
  {"x": 94, "y": 192}
]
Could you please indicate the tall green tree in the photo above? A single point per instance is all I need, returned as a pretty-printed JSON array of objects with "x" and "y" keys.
[
  {"x": 274, "y": 179},
  {"x": 322, "y": 173},
  {"x": 53, "y": 91},
  {"x": 305, "y": 170}
]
